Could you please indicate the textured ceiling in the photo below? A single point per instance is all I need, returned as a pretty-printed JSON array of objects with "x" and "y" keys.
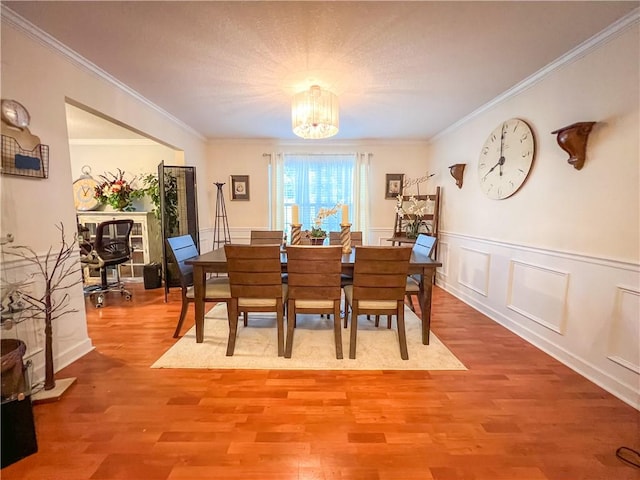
[{"x": 402, "y": 70}]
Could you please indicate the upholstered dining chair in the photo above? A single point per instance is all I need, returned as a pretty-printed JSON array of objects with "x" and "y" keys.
[
  {"x": 314, "y": 287},
  {"x": 266, "y": 237},
  {"x": 217, "y": 288},
  {"x": 256, "y": 286},
  {"x": 379, "y": 280},
  {"x": 425, "y": 245}
]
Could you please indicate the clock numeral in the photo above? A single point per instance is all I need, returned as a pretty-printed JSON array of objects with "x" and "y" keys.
[
  {"x": 485, "y": 150},
  {"x": 499, "y": 192},
  {"x": 493, "y": 138},
  {"x": 526, "y": 154},
  {"x": 524, "y": 137}
]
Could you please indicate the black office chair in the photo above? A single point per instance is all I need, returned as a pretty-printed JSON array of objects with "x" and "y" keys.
[{"x": 110, "y": 249}]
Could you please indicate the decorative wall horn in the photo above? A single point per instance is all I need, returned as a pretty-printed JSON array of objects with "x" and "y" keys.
[
  {"x": 457, "y": 171},
  {"x": 573, "y": 140}
]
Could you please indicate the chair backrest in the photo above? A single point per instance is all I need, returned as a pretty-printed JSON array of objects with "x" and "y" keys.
[
  {"x": 356, "y": 238},
  {"x": 112, "y": 241},
  {"x": 266, "y": 237},
  {"x": 183, "y": 248},
  {"x": 380, "y": 273},
  {"x": 254, "y": 270},
  {"x": 314, "y": 272},
  {"x": 425, "y": 245}
]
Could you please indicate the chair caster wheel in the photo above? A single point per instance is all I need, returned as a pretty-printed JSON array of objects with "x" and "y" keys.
[
  {"x": 127, "y": 297},
  {"x": 99, "y": 301}
]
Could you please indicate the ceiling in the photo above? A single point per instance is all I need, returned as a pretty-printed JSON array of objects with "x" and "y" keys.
[{"x": 401, "y": 70}]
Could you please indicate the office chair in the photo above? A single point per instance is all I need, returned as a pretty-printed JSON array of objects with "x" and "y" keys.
[{"x": 110, "y": 249}]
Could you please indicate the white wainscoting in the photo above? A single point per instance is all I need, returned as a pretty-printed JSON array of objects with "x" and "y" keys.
[
  {"x": 584, "y": 311},
  {"x": 538, "y": 293}
]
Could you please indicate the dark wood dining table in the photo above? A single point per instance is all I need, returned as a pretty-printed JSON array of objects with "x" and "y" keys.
[{"x": 215, "y": 261}]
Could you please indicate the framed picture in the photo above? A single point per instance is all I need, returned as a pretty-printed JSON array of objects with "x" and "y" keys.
[
  {"x": 239, "y": 187},
  {"x": 393, "y": 185}
]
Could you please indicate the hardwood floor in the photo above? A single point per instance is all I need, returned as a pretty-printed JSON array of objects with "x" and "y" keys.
[{"x": 516, "y": 414}]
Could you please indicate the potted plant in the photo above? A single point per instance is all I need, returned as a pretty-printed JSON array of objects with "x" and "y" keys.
[{"x": 317, "y": 234}]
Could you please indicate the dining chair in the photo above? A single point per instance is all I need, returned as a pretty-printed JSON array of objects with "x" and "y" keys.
[
  {"x": 425, "y": 245},
  {"x": 216, "y": 288},
  {"x": 379, "y": 280},
  {"x": 314, "y": 287},
  {"x": 266, "y": 237},
  {"x": 256, "y": 286}
]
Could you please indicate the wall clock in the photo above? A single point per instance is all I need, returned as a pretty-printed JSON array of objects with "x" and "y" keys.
[
  {"x": 506, "y": 159},
  {"x": 14, "y": 113},
  {"x": 84, "y": 189}
]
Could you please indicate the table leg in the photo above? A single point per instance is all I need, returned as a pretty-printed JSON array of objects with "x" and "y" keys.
[
  {"x": 198, "y": 293},
  {"x": 426, "y": 284}
]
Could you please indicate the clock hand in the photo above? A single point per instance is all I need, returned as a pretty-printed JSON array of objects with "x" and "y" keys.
[{"x": 500, "y": 162}]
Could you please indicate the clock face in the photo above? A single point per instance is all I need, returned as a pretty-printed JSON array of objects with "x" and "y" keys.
[
  {"x": 506, "y": 159},
  {"x": 15, "y": 114},
  {"x": 83, "y": 194}
]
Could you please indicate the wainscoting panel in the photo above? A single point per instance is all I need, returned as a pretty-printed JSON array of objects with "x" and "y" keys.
[
  {"x": 582, "y": 310},
  {"x": 443, "y": 257},
  {"x": 539, "y": 294},
  {"x": 624, "y": 344},
  {"x": 473, "y": 270}
]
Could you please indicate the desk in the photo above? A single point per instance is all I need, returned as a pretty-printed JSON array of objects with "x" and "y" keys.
[{"x": 216, "y": 262}]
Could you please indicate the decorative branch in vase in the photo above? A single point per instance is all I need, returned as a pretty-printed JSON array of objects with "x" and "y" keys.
[{"x": 52, "y": 276}]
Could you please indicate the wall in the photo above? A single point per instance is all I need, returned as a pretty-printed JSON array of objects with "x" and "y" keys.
[
  {"x": 43, "y": 79},
  {"x": 247, "y": 158},
  {"x": 557, "y": 263}
]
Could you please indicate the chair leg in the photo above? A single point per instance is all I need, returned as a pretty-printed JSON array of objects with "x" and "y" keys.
[
  {"x": 245, "y": 318},
  {"x": 280, "y": 320},
  {"x": 233, "y": 326},
  {"x": 410, "y": 302},
  {"x": 389, "y": 322},
  {"x": 354, "y": 332},
  {"x": 402, "y": 336},
  {"x": 183, "y": 314},
  {"x": 337, "y": 331},
  {"x": 291, "y": 321}
]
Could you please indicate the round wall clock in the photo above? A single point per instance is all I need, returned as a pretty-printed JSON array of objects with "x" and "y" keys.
[
  {"x": 14, "y": 113},
  {"x": 506, "y": 159},
  {"x": 84, "y": 189}
]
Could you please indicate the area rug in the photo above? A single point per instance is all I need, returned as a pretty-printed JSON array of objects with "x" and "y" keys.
[{"x": 313, "y": 346}]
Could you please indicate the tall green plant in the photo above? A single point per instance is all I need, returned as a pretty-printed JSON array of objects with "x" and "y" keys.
[{"x": 151, "y": 189}]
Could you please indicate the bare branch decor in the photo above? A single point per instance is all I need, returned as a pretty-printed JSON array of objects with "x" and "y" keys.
[{"x": 57, "y": 277}]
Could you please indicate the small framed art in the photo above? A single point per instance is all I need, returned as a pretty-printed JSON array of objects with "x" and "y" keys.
[
  {"x": 393, "y": 185},
  {"x": 239, "y": 187}
]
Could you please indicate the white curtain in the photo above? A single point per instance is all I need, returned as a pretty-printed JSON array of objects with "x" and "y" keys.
[{"x": 313, "y": 181}]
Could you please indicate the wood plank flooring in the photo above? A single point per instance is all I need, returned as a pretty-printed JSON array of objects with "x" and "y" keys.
[{"x": 516, "y": 414}]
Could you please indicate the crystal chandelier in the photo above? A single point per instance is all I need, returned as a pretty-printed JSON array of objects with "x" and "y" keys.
[{"x": 314, "y": 113}]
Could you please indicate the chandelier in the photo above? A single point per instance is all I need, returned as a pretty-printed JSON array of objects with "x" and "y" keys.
[{"x": 314, "y": 113}]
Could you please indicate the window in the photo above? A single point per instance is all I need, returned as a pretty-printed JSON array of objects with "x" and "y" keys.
[
  {"x": 316, "y": 181},
  {"x": 313, "y": 181}
]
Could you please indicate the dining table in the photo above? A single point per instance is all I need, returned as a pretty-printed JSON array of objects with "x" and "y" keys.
[{"x": 215, "y": 262}]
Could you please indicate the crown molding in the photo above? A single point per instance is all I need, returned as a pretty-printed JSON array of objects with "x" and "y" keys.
[
  {"x": 115, "y": 142},
  {"x": 599, "y": 39},
  {"x": 42, "y": 37}
]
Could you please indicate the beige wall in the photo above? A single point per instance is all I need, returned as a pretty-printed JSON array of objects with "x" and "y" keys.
[
  {"x": 246, "y": 158},
  {"x": 42, "y": 79}
]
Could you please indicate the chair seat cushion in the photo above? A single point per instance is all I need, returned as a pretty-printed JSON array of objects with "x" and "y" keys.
[
  {"x": 263, "y": 302},
  {"x": 217, "y": 287},
  {"x": 314, "y": 303},
  {"x": 369, "y": 304}
]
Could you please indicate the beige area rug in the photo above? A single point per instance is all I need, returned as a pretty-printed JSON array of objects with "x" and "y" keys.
[{"x": 313, "y": 346}]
